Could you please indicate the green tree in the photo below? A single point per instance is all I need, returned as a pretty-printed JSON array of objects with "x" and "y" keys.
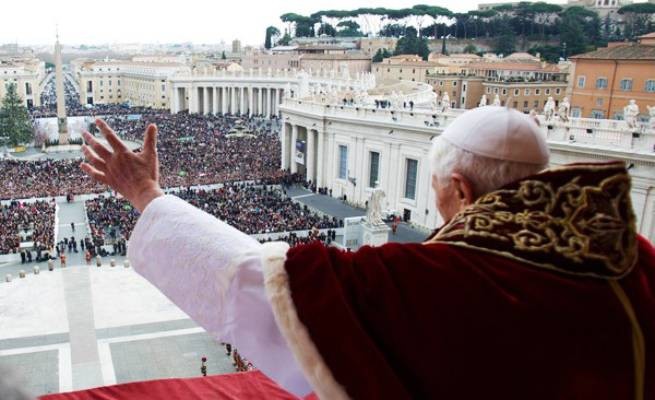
[
  {"x": 412, "y": 44},
  {"x": 285, "y": 40},
  {"x": 271, "y": 33},
  {"x": 505, "y": 42},
  {"x": 546, "y": 52},
  {"x": 327, "y": 30},
  {"x": 223, "y": 56},
  {"x": 14, "y": 118},
  {"x": 381, "y": 54},
  {"x": 579, "y": 30},
  {"x": 637, "y": 19},
  {"x": 349, "y": 29},
  {"x": 470, "y": 49}
]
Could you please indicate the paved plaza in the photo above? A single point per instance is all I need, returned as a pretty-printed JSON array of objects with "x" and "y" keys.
[{"x": 83, "y": 326}]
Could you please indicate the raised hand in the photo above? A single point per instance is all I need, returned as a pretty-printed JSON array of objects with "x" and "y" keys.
[{"x": 134, "y": 175}]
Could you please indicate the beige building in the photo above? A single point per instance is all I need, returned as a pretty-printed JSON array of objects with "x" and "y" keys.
[
  {"x": 28, "y": 74},
  {"x": 407, "y": 67},
  {"x": 264, "y": 60},
  {"x": 315, "y": 57},
  {"x": 370, "y": 46},
  {"x": 518, "y": 80},
  {"x": 356, "y": 63},
  {"x": 464, "y": 91},
  {"x": 118, "y": 81},
  {"x": 456, "y": 63}
]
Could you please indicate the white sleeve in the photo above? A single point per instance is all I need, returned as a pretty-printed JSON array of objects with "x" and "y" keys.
[{"x": 213, "y": 272}]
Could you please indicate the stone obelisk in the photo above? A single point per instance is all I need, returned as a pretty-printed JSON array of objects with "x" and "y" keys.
[{"x": 61, "y": 97}]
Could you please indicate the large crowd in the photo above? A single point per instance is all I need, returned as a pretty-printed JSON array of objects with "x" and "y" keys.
[
  {"x": 256, "y": 209},
  {"x": 26, "y": 222},
  {"x": 250, "y": 208},
  {"x": 111, "y": 221},
  {"x": 193, "y": 150}
]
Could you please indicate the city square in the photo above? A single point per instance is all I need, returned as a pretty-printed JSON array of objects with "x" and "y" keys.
[{"x": 295, "y": 218}]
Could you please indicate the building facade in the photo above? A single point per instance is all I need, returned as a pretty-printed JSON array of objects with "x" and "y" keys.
[
  {"x": 606, "y": 80},
  {"x": 349, "y": 149},
  {"x": 256, "y": 92},
  {"x": 28, "y": 74},
  {"x": 405, "y": 67},
  {"x": 135, "y": 82}
]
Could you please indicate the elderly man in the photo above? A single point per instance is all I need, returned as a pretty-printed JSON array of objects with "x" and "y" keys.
[{"x": 536, "y": 287}]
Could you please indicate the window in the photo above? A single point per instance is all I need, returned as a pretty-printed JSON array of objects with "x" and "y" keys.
[
  {"x": 454, "y": 83},
  {"x": 374, "y": 169},
  {"x": 558, "y": 91},
  {"x": 581, "y": 81},
  {"x": 504, "y": 92},
  {"x": 101, "y": 82},
  {"x": 601, "y": 83},
  {"x": 343, "y": 162},
  {"x": 599, "y": 101},
  {"x": 516, "y": 92},
  {"x": 547, "y": 92},
  {"x": 464, "y": 88},
  {"x": 626, "y": 85},
  {"x": 576, "y": 112},
  {"x": 516, "y": 104},
  {"x": 597, "y": 114},
  {"x": 525, "y": 104},
  {"x": 440, "y": 83},
  {"x": 650, "y": 86},
  {"x": 495, "y": 90},
  {"x": 527, "y": 92},
  {"x": 488, "y": 90},
  {"x": 536, "y": 104},
  {"x": 410, "y": 178},
  {"x": 538, "y": 91}
]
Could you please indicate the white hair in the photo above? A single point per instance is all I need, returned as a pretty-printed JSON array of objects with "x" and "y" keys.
[{"x": 485, "y": 174}]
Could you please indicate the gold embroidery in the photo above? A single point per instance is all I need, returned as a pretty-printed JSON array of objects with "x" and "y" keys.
[
  {"x": 638, "y": 342},
  {"x": 576, "y": 219}
]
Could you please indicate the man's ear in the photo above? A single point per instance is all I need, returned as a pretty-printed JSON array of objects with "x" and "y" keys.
[{"x": 463, "y": 189}]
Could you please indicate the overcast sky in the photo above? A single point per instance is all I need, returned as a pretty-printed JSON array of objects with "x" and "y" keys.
[{"x": 127, "y": 21}]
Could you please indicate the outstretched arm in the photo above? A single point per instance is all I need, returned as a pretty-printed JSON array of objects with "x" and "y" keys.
[{"x": 209, "y": 269}]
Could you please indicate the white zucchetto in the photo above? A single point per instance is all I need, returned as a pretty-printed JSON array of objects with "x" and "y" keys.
[{"x": 499, "y": 132}]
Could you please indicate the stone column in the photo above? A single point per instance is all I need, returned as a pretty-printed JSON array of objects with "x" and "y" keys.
[
  {"x": 260, "y": 101},
  {"x": 242, "y": 102},
  {"x": 205, "y": 100},
  {"x": 292, "y": 146},
  {"x": 310, "y": 155},
  {"x": 268, "y": 103},
  {"x": 215, "y": 105},
  {"x": 224, "y": 99},
  {"x": 193, "y": 100},
  {"x": 233, "y": 100},
  {"x": 320, "y": 136},
  {"x": 250, "y": 102},
  {"x": 175, "y": 104},
  {"x": 284, "y": 146}
]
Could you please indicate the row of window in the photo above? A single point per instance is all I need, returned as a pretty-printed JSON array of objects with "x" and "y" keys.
[
  {"x": 411, "y": 171},
  {"x": 526, "y": 92},
  {"x": 624, "y": 84}
]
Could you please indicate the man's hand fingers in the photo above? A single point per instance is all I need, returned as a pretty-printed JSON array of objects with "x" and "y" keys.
[
  {"x": 98, "y": 147},
  {"x": 94, "y": 173},
  {"x": 150, "y": 141},
  {"x": 93, "y": 158},
  {"x": 114, "y": 141}
]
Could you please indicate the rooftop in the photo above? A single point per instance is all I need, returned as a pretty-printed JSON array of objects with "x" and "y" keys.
[{"x": 631, "y": 51}]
